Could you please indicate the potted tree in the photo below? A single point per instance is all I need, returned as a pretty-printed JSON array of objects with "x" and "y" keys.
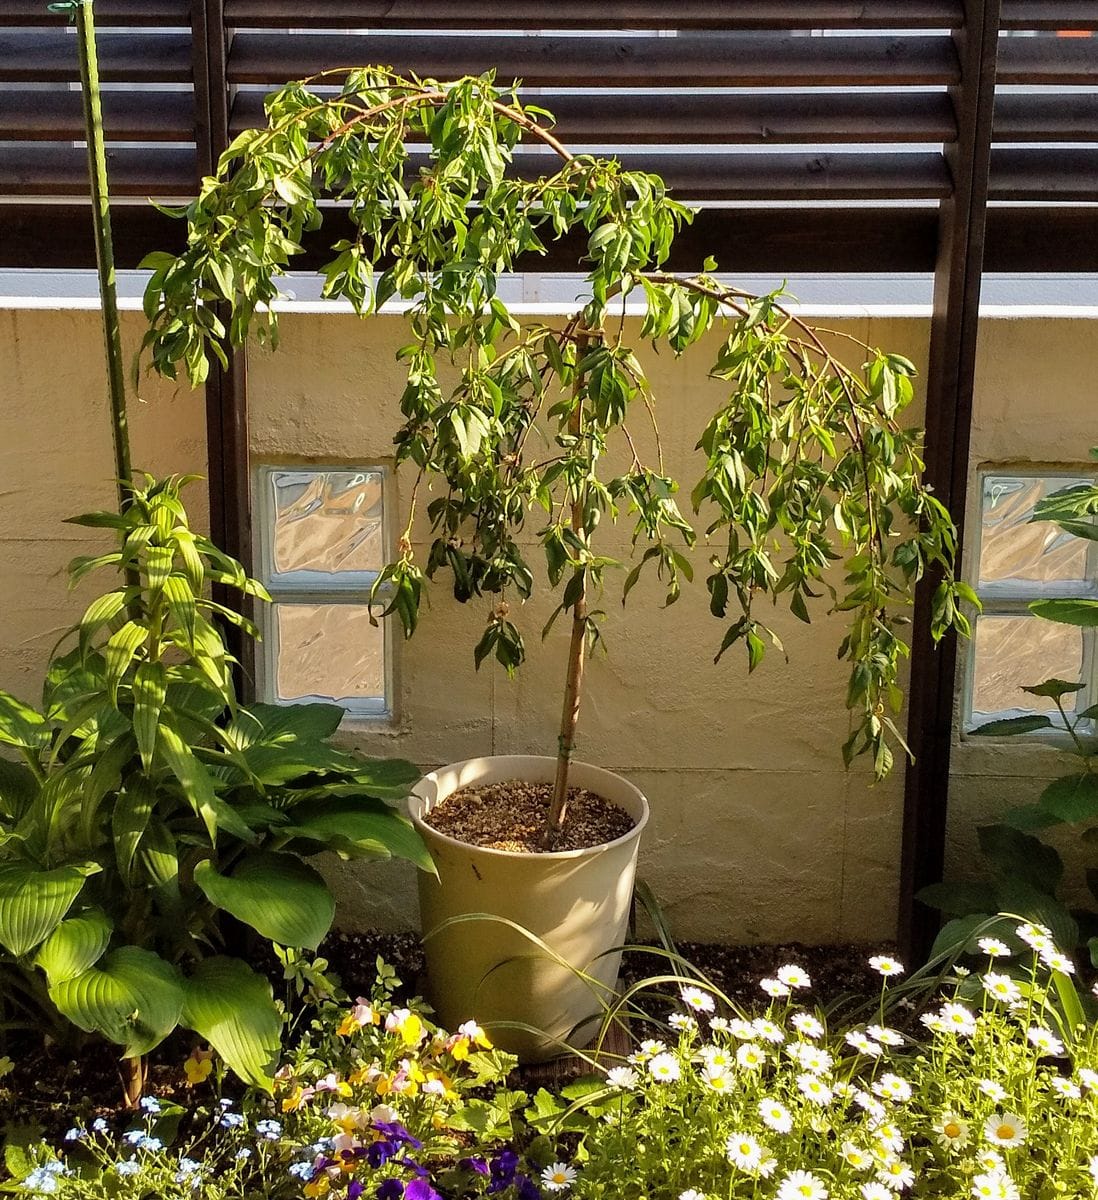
[{"x": 511, "y": 424}]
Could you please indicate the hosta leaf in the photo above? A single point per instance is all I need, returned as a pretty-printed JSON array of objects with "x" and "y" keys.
[
  {"x": 280, "y": 724},
  {"x": 132, "y": 997},
  {"x": 361, "y": 827},
  {"x": 20, "y": 725},
  {"x": 228, "y": 1004},
  {"x": 33, "y": 902},
  {"x": 1016, "y": 855},
  {"x": 18, "y": 788},
  {"x": 1022, "y": 899},
  {"x": 959, "y": 899},
  {"x": 276, "y": 894},
  {"x": 75, "y": 945}
]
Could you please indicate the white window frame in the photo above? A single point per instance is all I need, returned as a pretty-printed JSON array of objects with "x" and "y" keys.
[
  {"x": 316, "y": 587},
  {"x": 1012, "y": 598}
]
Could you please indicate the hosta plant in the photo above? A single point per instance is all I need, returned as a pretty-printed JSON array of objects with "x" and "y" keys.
[
  {"x": 808, "y": 484},
  {"x": 146, "y": 815}
]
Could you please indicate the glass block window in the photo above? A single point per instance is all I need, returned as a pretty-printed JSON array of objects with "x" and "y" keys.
[
  {"x": 1019, "y": 561},
  {"x": 322, "y": 543}
]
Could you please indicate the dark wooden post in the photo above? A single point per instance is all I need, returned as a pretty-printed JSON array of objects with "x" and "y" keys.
[{"x": 953, "y": 333}]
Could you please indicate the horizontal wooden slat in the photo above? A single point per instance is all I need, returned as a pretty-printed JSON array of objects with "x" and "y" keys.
[
  {"x": 149, "y": 13},
  {"x": 50, "y": 57},
  {"x": 1049, "y": 60},
  {"x": 1061, "y": 174},
  {"x": 716, "y": 59},
  {"x": 674, "y": 118},
  {"x": 128, "y": 116},
  {"x": 582, "y": 14},
  {"x": 1049, "y": 14},
  {"x": 742, "y": 239},
  {"x": 1047, "y": 240},
  {"x": 50, "y": 169},
  {"x": 1046, "y": 117}
]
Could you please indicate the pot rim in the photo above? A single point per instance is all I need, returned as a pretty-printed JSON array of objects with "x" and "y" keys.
[{"x": 416, "y": 802}]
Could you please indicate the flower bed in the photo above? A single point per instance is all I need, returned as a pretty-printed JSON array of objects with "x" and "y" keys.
[{"x": 990, "y": 1091}]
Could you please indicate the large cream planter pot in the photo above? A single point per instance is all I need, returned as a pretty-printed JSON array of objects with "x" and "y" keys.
[{"x": 575, "y": 901}]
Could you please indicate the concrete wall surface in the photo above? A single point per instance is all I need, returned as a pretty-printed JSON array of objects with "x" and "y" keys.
[{"x": 757, "y": 832}]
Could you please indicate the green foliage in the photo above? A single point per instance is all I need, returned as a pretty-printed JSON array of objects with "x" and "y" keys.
[
  {"x": 810, "y": 487},
  {"x": 1027, "y": 873},
  {"x": 148, "y": 805}
]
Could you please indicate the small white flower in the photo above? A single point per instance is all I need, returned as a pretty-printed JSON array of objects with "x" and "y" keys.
[
  {"x": 697, "y": 999},
  {"x": 807, "y": 1025},
  {"x": 1005, "y": 1129},
  {"x": 992, "y": 1090},
  {"x": 716, "y": 1056},
  {"x": 957, "y": 1019},
  {"x": 649, "y": 1048},
  {"x": 888, "y": 1138},
  {"x": 857, "y": 1157},
  {"x": 774, "y": 1115},
  {"x": 933, "y": 1022},
  {"x": 990, "y": 1160},
  {"x": 961, "y": 972},
  {"x": 896, "y": 1175},
  {"x": 664, "y": 1068},
  {"x": 813, "y": 1088},
  {"x": 1045, "y": 1040},
  {"x": 1037, "y": 937},
  {"x": 682, "y": 1022},
  {"x": 873, "y": 1108},
  {"x": 1065, "y": 1088},
  {"x": 1055, "y": 961},
  {"x": 742, "y": 1030},
  {"x": 801, "y": 1185},
  {"x": 1001, "y": 987},
  {"x": 768, "y": 1031},
  {"x": 994, "y": 947},
  {"x": 886, "y": 967},
  {"x": 952, "y": 1133},
  {"x": 1088, "y": 1079},
  {"x": 622, "y": 1077},
  {"x": 994, "y": 1185},
  {"x": 774, "y": 988},
  {"x": 793, "y": 976},
  {"x": 886, "y": 1036},
  {"x": 692, "y": 1194},
  {"x": 751, "y": 1056},
  {"x": 717, "y": 1079},
  {"x": 892, "y": 1087},
  {"x": 863, "y": 1044},
  {"x": 815, "y": 1059},
  {"x": 1094, "y": 1168},
  {"x": 744, "y": 1151},
  {"x": 720, "y": 1024},
  {"x": 874, "y": 1191},
  {"x": 558, "y": 1177}
]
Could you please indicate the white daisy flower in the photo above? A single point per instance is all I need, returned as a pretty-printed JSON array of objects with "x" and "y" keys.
[
  {"x": 558, "y": 1177},
  {"x": 990, "y": 1160},
  {"x": 716, "y": 1056},
  {"x": 994, "y": 1091},
  {"x": 933, "y": 1022},
  {"x": 1005, "y": 1129},
  {"x": 958, "y": 1019},
  {"x": 751, "y": 1056},
  {"x": 622, "y": 1077},
  {"x": 1065, "y": 1088},
  {"x": 768, "y": 1031},
  {"x": 994, "y": 1185},
  {"x": 1088, "y": 1079},
  {"x": 720, "y": 1024},
  {"x": 886, "y": 967},
  {"x": 873, "y": 1108},
  {"x": 884, "y": 1035},
  {"x": 896, "y": 1175},
  {"x": 767, "y": 1167},
  {"x": 951, "y": 1132},
  {"x": 742, "y": 1030},
  {"x": 807, "y": 1025},
  {"x": 692, "y": 1194},
  {"x": 775, "y": 989},
  {"x": 744, "y": 1151},
  {"x": 863, "y": 1044},
  {"x": 1093, "y": 1166},
  {"x": 793, "y": 976},
  {"x": 774, "y": 1115},
  {"x": 813, "y": 1088},
  {"x": 697, "y": 999},
  {"x": 801, "y": 1185},
  {"x": 994, "y": 947},
  {"x": 874, "y": 1191},
  {"x": 1037, "y": 937},
  {"x": 892, "y": 1087},
  {"x": 1045, "y": 1040},
  {"x": 664, "y": 1068},
  {"x": 887, "y": 1137},
  {"x": 1001, "y": 987},
  {"x": 646, "y": 1050},
  {"x": 1055, "y": 961},
  {"x": 717, "y": 1079},
  {"x": 857, "y": 1157},
  {"x": 682, "y": 1022}
]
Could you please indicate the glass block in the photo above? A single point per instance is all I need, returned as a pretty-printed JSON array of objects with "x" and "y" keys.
[
  {"x": 1012, "y": 652},
  {"x": 326, "y": 523},
  {"x": 1011, "y": 549},
  {"x": 329, "y": 652}
]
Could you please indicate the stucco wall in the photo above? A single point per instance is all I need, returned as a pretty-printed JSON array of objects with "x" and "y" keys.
[{"x": 757, "y": 831}]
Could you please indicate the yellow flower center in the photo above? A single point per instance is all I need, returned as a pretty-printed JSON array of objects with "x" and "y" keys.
[
  {"x": 1005, "y": 1131},
  {"x": 952, "y": 1129}
]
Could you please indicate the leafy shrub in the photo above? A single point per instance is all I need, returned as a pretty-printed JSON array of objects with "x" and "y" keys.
[{"x": 148, "y": 805}]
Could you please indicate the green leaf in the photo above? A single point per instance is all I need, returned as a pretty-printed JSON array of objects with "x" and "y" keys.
[
  {"x": 1017, "y": 856},
  {"x": 132, "y": 997},
  {"x": 18, "y": 788},
  {"x": 1012, "y": 725},
  {"x": 33, "y": 902},
  {"x": 1029, "y": 816},
  {"x": 359, "y": 827},
  {"x": 1054, "y": 688},
  {"x": 1072, "y": 798},
  {"x": 149, "y": 691},
  {"x": 1067, "y": 612},
  {"x": 280, "y": 743},
  {"x": 75, "y": 945},
  {"x": 119, "y": 652},
  {"x": 198, "y": 787},
  {"x": 20, "y": 725},
  {"x": 278, "y": 895},
  {"x": 232, "y": 1007},
  {"x": 1021, "y": 898},
  {"x": 959, "y": 899},
  {"x": 129, "y": 819}
]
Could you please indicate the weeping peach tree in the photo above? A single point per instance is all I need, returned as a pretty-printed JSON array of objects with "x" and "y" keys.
[{"x": 810, "y": 489}]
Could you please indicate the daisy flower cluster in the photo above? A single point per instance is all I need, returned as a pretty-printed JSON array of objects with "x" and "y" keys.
[{"x": 986, "y": 1097}]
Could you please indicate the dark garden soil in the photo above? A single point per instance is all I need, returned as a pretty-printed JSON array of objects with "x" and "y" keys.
[
  {"x": 54, "y": 1090},
  {"x": 511, "y": 815}
]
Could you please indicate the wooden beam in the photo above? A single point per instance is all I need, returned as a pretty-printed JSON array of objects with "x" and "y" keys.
[
  {"x": 954, "y": 327},
  {"x": 138, "y": 115},
  {"x": 47, "y": 57},
  {"x": 226, "y": 389},
  {"x": 131, "y": 13}
]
